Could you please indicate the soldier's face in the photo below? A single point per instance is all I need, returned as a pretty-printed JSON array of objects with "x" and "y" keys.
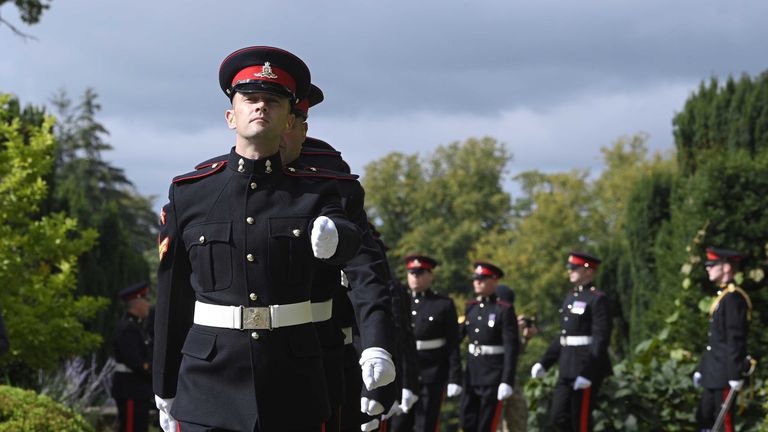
[
  {"x": 420, "y": 281},
  {"x": 718, "y": 272},
  {"x": 485, "y": 287},
  {"x": 292, "y": 139},
  {"x": 580, "y": 275},
  {"x": 260, "y": 115}
]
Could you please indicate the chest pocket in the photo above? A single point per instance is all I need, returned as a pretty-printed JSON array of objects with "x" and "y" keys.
[
  {"x": 209, "y": 246},
  {"x": 290, "y": 253}
]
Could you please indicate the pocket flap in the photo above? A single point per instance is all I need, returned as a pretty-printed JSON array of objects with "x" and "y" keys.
[
  {"x": 293, "y": 227},
  {"x": 208, "y": 232},
  {"x": 199, "y": 345}
]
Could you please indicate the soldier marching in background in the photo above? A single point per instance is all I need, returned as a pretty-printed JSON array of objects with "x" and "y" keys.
[
  {"x": 132, "y": 381},
  {"x": 724, "y": 362},
  {"x": 581, "y": 348},
  {"x": 435, "y": 327},
  {"x": 490, "y": 325}
]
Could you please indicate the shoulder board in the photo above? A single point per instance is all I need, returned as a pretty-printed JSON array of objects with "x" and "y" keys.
[
  {"x": 214, "y": 160},
  {"x": 310, "y": 171},
  {"x": 471, "y": 302},
  {"x": 502, "y": 303},
  {"x": 318, "y": 144},
  {"x": 734, "y": 289},
  {"x": 200, "y": 173}
]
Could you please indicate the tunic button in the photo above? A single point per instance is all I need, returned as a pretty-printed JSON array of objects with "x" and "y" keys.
[
  {"x": 562, "y": 331},
  {"x": 431, "y": 319},
  {"x": 413, "y": 313},
  {"x": 416, "y": 301},
  {"x": 709, "y": 348},
  {"x": 202, "y": 239},
  {"x": 250, "y": 257},
  {"x": 482, "y": 305},
  {"x": 255, "y": 335},
  {"x": 240, "y": 168},
  {"x": 253, "y": 296},
  {"x": 570, "y": 306},
  {"x": 565, "y": 319},
  {"x": 250, "y": 220},
  {"x": 477, "y": 330},
  {"x": 254, "y": 185},
  {"x": 296, "y": 232},
  {"x": 479, "y": 317}
]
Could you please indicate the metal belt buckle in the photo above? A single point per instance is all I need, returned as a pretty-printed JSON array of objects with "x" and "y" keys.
[
  {"x": 477, "y": 350},
  {"x": 257, "y": 318}
]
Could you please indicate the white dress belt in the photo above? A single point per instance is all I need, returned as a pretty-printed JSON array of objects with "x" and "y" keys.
[
  {"x": 575, "y": 340},
  {"x": 122, "y": 367},
  {"x": 322, "y": 311},
  {"x": 252, "y": 318},
  {"x": 429, "y": 344},
  {"x": 485, "y": 349},
  {"x": 347, "y": 335}
]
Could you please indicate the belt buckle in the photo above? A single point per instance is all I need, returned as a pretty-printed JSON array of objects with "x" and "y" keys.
[
  {"x": 476, "y": 350},
  {"x": 257, "y": 318}
]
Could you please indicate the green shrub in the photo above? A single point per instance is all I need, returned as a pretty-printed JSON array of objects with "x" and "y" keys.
[{"x": 25, "y": 410}]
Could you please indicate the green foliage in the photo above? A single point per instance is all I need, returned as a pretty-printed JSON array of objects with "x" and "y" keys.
[
  {"x": 440, "y": 206},
  {"x": 30, "y": 10},
  {"x": 24, "y": 410},
  {"x": 38, "y": 255}
]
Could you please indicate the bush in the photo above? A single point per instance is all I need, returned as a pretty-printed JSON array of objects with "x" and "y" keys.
[{"x": 25, "y": 410}]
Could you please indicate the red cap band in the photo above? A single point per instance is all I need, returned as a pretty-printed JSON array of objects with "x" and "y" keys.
[
  {"x": 268, "y": 73},
  {"x": 418, "y": 264}
]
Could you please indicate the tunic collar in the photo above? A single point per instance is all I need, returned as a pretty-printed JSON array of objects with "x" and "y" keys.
[{"x": 270, "y": 165}]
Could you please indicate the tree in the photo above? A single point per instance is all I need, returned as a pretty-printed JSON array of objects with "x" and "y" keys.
[
  {"x": 30, "y": 12},
  {"x": 38, "y": 254}
]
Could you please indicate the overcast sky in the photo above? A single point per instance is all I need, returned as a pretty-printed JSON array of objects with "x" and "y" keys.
[{"x": 554, "y": 80}]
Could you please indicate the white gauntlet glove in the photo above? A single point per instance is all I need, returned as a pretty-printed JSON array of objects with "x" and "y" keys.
[
  {"x": 504, "y": 391},
  {"x": 370, "y": 406},
  {"x": 538, "y": 371},
  {"x": 736, "y": 385},
  {"x": 370, "y": 426},
  {"x": 697, "y": 379},
  {"x": 167, "y": 422},
  {"x": 324, "y": 237},
  {"x": 581, "y": 383},
  {"x": 377, "y": 366},
  {"x": 453, "y": 390},
  {"x": 407, "y": 400}
]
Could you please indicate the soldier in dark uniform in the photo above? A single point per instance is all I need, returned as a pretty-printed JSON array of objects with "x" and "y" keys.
[
  {"x": 722, "y": 365},
  {"x": 132, "y": 381},
  {"x": 494, "y": 345},
  {"x": 4, "y": 345},
  {"x": 235, "y": 346},
  {"x": 581, "y": 348},
  {"x": 436, "y": 329},
  {"x": 366, "y": 272}
]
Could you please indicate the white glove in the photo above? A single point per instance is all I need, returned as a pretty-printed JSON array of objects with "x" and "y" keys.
[
  {"x": 167, "y": 422},
  {"x": 396, "y": 409},
  {"x": 697, "y": 379},
  {"x": 377, "y": 366},
  {"x": 505, "y": 391},
  {"x": 370, "y": 426},
  {"x": 453, "y": 390},
  {"x": 736, "y": 385},
  {"x": 407, "y": 400},
  {"x": 370, "y": 406},
  {"x": 581, "y": 383},
  {"x": 324, "y": 237},
  {"x": 538, "y": 371}
]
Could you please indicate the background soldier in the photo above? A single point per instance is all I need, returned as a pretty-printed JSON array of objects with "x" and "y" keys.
[
  {"x": 435, "y": 327},
  {"x": 235, "y": 346},
  {"x": 581, "y": 347},
  {"x": 132, "y": 381},
  {"x": 491, "y": 326},
  {"x": 723, "y": 363}
]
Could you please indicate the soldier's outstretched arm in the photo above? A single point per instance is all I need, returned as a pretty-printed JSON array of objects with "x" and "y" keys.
[
  {"x": 453, "y": 339},
  {"x": 601, "y": 336}
]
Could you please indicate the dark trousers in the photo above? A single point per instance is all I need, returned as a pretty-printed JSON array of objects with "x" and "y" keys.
[
  {"x": 710, "y": 404},
  {"x": 480, "y": 410},
  {"x": 192, "y": 427},
  {"x": 425, "y": 413},
  {"x": 572, "y": 409},
  {"x": 133, "y": 415}
]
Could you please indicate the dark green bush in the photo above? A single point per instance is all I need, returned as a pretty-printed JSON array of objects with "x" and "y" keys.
[{"x": 25, "y": 410}]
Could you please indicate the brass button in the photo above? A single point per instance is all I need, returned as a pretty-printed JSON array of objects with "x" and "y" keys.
[
  {"x": 254, "y": 185},
  {"x": 477, "y": 330},
  {"x": 565, "y": 319},
  {"x": 482, "y": 305},
  {"x": 253, "y": 296},
  {"x": 202, "y": 239},
  {"x": 413, "y": 313},
  {"x": 250, "y": 220},
  {"x": 562, "y": 331},
  {"x": 250, "y": 257},
  {"x": 570, "y": 306},
  {"x": 479, "y": 318},
  {"x": 296, "y": 232},
  {"x": 255, "y": 335},
  {"x": 709, "y": 348},
  {"x": 416, "y": 301}
]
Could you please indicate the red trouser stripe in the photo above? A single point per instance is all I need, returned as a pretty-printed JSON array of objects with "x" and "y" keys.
[
  {"x": 322, "y": 429},
  {"x": 384, "y": 426},
  {"x": 440, "y": 407},
  {"x": 727, "y": 424},
  {"x": 129, "y": 415},
  {"x": 496, "y": 416},
  {"x": 584, "y": 418}
]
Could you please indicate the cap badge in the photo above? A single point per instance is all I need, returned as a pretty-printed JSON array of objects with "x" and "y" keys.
[
  {"x": 479, "y": 269},
  {"x": 266, "y": 72},
  {"x": 416, "y": 263}
]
